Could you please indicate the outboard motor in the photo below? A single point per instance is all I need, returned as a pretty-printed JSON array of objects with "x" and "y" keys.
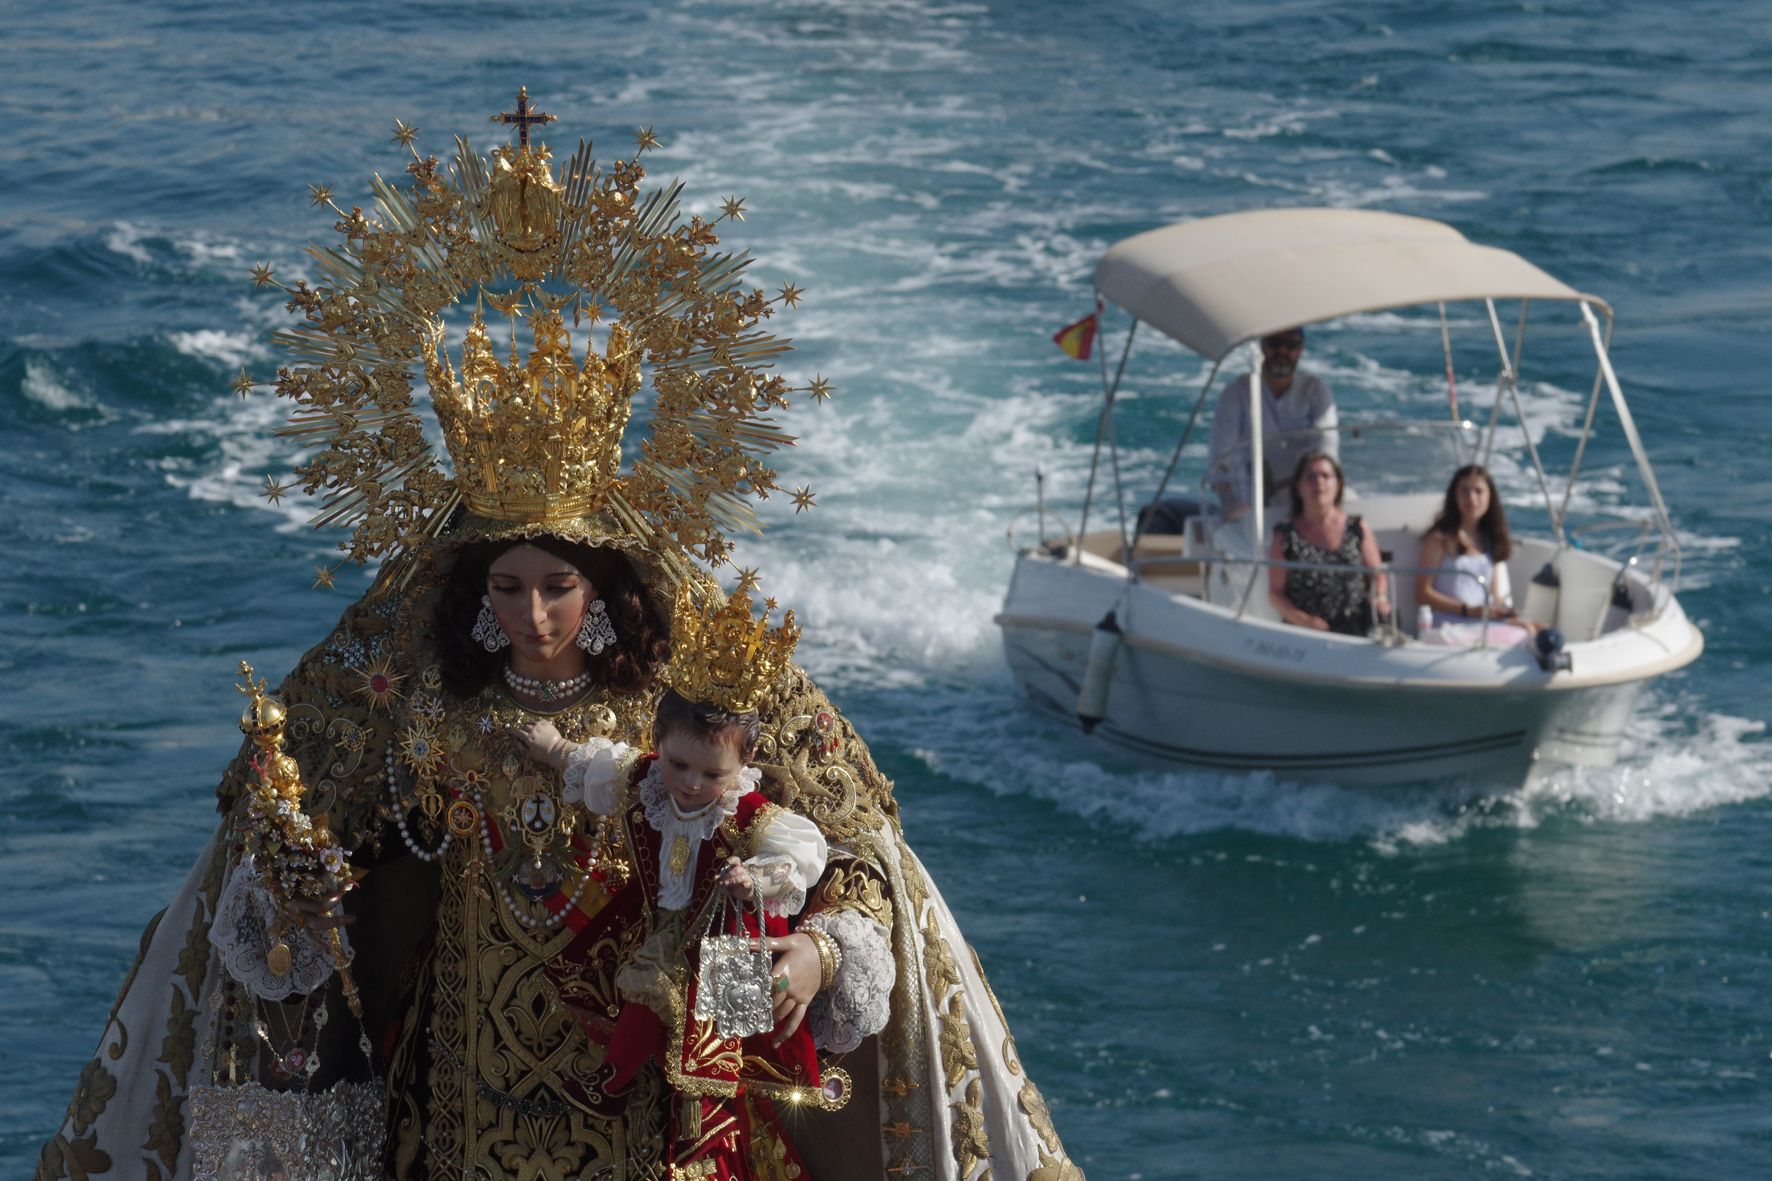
[
  {"x": 1552, "y": 657},
  {"x": 1098, "y": 673}
]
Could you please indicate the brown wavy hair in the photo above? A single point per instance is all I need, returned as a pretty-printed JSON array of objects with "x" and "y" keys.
[
  {"x": 642, "y": 637},
  {"x": 709, "y": 723},
  {"x": 1491, "y": 530}
]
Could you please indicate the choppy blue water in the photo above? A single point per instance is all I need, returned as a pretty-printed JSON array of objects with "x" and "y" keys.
[{"x": 1210, "y": 976}]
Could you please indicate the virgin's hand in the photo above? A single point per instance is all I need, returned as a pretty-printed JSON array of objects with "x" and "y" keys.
[{"x": 798, "y": 962}]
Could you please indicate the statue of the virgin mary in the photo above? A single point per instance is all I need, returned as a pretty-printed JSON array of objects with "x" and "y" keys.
[{"x": 447, "y": 1010}]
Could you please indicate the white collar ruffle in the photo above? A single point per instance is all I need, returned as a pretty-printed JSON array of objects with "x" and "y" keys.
[{"x": 662, "y": 814}]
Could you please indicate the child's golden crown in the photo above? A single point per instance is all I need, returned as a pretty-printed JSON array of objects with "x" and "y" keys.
[{"x": 722, "y": 656}]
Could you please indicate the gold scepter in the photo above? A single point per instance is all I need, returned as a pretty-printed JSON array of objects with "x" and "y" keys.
[{"x": 297, "y": 855}]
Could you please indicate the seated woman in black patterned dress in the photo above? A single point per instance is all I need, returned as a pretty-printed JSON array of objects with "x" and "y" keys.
[{"x": 1322, "y": 534}]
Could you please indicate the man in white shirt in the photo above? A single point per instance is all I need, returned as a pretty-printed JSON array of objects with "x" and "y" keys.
[{"x": 1297, "y": 417}]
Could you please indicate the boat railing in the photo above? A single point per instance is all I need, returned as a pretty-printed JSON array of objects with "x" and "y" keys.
[
  {"x": 1388, "y": 629},
  {"x": 1642, "y": 534}
]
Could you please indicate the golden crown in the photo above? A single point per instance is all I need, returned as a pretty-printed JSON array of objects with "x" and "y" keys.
[
  {"x": 534, "y": 440},
  {"x": 722, "y": 656}
]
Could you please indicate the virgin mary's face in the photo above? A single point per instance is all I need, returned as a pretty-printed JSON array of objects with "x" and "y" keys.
[{"x": 539, "y": 600}]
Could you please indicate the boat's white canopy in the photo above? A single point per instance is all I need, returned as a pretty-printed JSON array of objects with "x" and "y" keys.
[{"x": 1217, "y": 282}]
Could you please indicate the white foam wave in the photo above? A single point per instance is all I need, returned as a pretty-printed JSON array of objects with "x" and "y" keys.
[
  {"x": 207, "y": 251},
  {"x": 243, "y": 432},
  {"x": 51, "y": 390},
  {"x": 125, "y": 238},
  {"x": 233, "y": 350}
]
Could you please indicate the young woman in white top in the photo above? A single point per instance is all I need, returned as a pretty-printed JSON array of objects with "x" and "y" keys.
[{"x": 1464, "y": 548}]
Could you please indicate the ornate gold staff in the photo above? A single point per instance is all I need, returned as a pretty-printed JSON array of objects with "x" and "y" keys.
[{"x": 297, "y": 856}]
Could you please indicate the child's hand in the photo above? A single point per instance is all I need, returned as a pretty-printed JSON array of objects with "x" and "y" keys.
[
  {"x": 543, "y": 742},
  {"x": 736, "y": 880}
]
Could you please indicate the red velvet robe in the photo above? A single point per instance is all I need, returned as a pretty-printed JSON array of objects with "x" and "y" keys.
[{"x": 726, "y": 1088}]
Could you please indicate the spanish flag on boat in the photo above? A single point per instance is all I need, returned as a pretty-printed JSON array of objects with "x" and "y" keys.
[{"x": 1077, "y": 339}]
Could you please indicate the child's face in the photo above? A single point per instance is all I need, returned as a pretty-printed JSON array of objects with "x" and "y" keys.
[{"x": 697, "y": 771}]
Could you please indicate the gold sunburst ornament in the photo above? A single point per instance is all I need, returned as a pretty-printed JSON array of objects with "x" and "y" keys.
[
  {"x": 535, "y": 437},
  {"x": 379, "y": 683}
]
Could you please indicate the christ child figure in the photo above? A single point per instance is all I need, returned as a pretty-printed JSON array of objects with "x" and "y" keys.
[{"x": 705, "y": 843}]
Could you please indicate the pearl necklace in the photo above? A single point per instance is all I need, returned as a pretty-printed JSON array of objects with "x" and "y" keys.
[
  {"x": 521, "y": 914},
  {"x": 400, "y": 808},
  {"x": 546, "y": 690}
]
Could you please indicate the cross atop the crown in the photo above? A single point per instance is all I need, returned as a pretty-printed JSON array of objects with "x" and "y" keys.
[{"x": 523, "y": 118}]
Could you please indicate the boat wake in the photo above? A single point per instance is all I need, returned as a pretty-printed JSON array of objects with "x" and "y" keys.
[{"x": 1678, "y": 763}]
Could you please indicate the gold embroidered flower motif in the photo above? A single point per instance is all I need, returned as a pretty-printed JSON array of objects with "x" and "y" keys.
[
  {"x": 1034, "y": 1104},
  {"x": 351, "y": 737},
  {"x": 972, "y": 1142}
]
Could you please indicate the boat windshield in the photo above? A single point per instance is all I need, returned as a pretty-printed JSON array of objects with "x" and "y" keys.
[{"x": 1377, "y": 457}]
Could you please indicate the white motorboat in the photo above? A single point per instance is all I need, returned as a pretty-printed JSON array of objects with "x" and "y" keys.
[{"x": 1159, "y": 634}]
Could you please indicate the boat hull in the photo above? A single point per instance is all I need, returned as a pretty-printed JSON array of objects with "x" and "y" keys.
[{"x": 1194, "y": 685}]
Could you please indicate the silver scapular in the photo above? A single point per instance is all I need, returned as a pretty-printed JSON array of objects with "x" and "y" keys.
[{"x": 735, "y": 982}]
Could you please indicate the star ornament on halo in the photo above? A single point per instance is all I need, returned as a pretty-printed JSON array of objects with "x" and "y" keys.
[
  {"x": 323, "y": 577},
  {"x": 243, "y": 384},
  {"x": 732, "y": 207},
  {"x": 274, "y": 490},
  {"x": 803, "y": 499},
  {"x": 791, "y": 295},
  {"x": 644, "y": 139},
  {"x": 820, "y": 389}
]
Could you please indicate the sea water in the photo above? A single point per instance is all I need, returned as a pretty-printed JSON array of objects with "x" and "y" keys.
[{"x": 1209, "y": 975}]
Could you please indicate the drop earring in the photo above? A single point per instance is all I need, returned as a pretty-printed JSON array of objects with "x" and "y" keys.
[
  {"x": 486, "y": 630},
  {"x": 595, "y": 632}
]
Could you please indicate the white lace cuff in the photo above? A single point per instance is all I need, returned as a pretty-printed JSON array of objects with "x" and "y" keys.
[
  {"x": 789, "y": 853},
  {"x": 595, "y": 770},
  {"x": 244, "y": 916},
  {"x": 859, "y": 1000}
]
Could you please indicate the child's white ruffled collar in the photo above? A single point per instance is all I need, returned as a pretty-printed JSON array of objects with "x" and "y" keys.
[{"x": 662, "y": 810}]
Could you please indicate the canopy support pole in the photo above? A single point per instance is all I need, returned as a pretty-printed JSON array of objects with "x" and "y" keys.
[
  {"x": 1446, "y": 348},
  {"x": 1103, "y": 430},
  {"x": 1257, "y": 467},
  {"x": 1175, "y": 457},
  {"x": 1630, "y": 432},
  {"x": 1587, "y": 423},
  {"x": 1520, "y": 333},
  {"x": 1511, "y": 383}
]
